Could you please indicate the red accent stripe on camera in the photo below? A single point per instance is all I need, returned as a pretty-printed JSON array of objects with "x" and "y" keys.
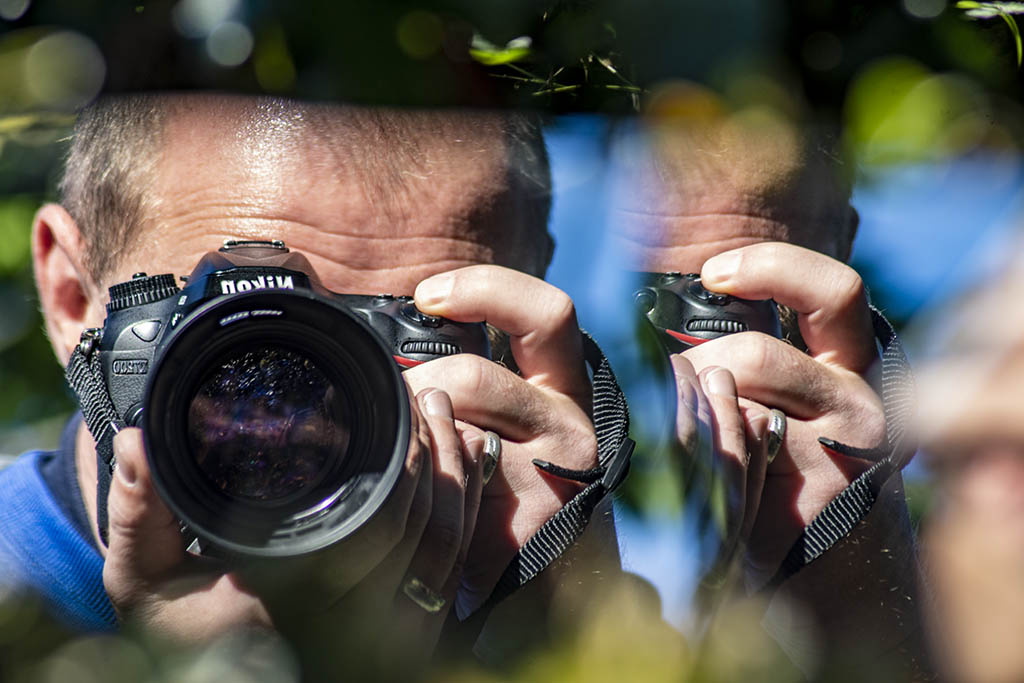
[
  {"x": 407, "y": 362},
  {"x": 687, "y": 339}
]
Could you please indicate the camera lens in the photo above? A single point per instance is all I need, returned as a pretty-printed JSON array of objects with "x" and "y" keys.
[
  {"x": 265, "y": 425},
  {"x": 275, "y": 423}
]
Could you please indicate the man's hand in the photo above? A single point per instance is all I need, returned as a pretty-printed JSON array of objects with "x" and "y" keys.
[
  {"x": 823, "y": 392},
  {"x": 544, "y": 412},
  {"x": 345, "y": 600},
  {"x": 868, "y": 580}
]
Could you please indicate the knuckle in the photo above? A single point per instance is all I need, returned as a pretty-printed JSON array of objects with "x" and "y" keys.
[
  {"x": 561, "y": 309},
  {"x": 446, "y": 537},
  {"x": 848, "y": 287},
  {"x": 756, "y": 351},
  {"x": 581, "y": 438},
  {"x": 471, "y": 373},
  {"x": 770, "y": 256},
  {"x": 119, "y": 588},
  {"x": 872, "y": 419}
]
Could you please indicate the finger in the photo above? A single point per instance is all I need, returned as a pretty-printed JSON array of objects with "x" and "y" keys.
[
  {"x": 689, "y": 426},
  {"x": 492, "y": 397},
  {"x": 473, "y": 463},
  {"x": 145, "y": 542},
  {"x": 755, "y": 420},
  {"x": 730, "y": 447},
  {"x": 828, "y": 295},
  {"x": 773, "y": 373},
  {"x": 368, "y": 558},
  {"x": 438, "y": 548},
  {"x": 539, "y": 318}
]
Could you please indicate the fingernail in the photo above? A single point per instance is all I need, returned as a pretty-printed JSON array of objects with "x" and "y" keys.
[
  {"x": 125, "y": 471},
  {"x": 434, "y": 290},
  {"x": 720, "y": 382},
  {"x": 437, "y": 404},
  {"x": 720, "y": 269}
]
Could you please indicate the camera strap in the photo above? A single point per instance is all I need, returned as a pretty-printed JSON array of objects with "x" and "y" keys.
[
  {"x": 85, "y": 376},
  {"x": 560, "y": 532},
  {"x": 852, "y": 504}
]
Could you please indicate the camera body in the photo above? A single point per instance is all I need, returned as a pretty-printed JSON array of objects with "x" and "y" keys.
[
  {"x": 273, "y": 411},
  {"x": 145, "y": 312},
  {"x": 684, "y": 313}
]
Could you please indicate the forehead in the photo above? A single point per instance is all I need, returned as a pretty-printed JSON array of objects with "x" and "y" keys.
[
  {"x": 362, "y": 192},
  {"x": 690, "y": 194}
]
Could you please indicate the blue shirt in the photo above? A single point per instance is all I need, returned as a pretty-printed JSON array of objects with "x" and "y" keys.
[{"x": 42, "y": 552}]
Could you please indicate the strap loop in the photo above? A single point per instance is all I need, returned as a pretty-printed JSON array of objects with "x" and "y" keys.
[{"x": 85, "y": 376}]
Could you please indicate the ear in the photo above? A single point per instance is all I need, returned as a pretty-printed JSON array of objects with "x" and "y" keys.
[{"x": 69, "y": 298}]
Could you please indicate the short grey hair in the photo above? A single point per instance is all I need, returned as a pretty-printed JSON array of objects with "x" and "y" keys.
[{"x": 115, "y": 145}]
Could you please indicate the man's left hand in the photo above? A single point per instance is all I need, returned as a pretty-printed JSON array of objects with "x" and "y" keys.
[{"x": 543, "y": 412}]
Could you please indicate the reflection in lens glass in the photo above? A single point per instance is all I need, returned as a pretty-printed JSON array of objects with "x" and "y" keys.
[{"x": 267, "y": 424}]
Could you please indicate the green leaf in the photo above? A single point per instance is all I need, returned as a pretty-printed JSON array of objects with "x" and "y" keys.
[
  {"x": 989, "y": 10},
  {"x": 1015, "y": 30},
  {"x": 489, "y": 54}
]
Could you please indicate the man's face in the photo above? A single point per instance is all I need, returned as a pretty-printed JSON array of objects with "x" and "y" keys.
[
  {"x": 689, "y": 194},
  {"x": 370, "y": 219}
]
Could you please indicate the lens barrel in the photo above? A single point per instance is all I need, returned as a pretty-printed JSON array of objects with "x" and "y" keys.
[{"x": 276, "y": 423}]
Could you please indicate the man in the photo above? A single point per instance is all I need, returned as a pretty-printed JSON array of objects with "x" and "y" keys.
[
  {"x": 449, "y": 206},
  {"x": 759, "y": 212}
]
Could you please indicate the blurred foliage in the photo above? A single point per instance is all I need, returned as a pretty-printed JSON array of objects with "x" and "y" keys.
[
  {"x": 909, "y": 82},
  {"x": 1003, "y": 10},
  {"x": 58, "y": 52}
]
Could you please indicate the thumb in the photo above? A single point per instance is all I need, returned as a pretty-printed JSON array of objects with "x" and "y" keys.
[{"x": 144, "y": 536}]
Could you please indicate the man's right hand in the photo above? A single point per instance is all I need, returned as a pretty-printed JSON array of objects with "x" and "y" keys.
[{"x": 347, "y": 598}]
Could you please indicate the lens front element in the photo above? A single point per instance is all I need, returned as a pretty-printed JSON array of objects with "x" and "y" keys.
[
  {"x": 275, "y": 423},
  {"x": 266, "y": 425}
]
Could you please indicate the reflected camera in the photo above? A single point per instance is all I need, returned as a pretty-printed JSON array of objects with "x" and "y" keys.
[{"x": 685, "y": 314}]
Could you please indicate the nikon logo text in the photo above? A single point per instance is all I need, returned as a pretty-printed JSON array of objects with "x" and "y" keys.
[
  {"x": 131, "y": 366},
  {"x": 261, "y": 282}
]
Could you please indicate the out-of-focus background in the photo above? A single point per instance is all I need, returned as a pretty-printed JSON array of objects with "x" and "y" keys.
[{"x": 924, "y": 97}]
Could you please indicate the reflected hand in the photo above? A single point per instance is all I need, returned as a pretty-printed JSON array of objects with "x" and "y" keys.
[
  {"x": 823, "y": 392},
  {"x": 712, "y": 428}
]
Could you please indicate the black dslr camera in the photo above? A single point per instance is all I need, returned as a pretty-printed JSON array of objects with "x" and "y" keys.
[
  {"x": 685, "y": 314},
  {"x": 275, "y": 419}
]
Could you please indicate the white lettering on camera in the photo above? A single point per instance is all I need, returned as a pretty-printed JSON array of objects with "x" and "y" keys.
[{"x": 261, "y": 282}]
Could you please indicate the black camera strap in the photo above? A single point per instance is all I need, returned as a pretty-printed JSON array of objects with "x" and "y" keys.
[
  {"x": 560, "y": 532},
  {"x": 85, "y": 376},
  {"x": 853, "y": 503}
]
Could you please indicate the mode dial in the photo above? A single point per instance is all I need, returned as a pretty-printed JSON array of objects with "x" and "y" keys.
[{"x": 141, "y": 290}]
